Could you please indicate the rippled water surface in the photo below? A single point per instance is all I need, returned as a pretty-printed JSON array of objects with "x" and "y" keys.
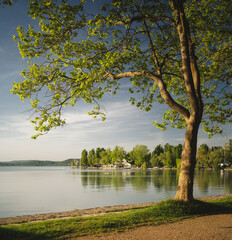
[{"x": 30, "y": 190}]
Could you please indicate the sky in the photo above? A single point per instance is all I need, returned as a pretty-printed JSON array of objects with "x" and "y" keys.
[{"x": 125, "y": 126}]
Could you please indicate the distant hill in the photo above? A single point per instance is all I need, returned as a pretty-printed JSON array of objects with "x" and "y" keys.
[{"x": 38, "y": 163}]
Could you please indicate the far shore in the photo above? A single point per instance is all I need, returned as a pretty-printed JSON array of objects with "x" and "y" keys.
[
  {"x": 137, "y": 168},
  {"x": 87, "y": 212}
]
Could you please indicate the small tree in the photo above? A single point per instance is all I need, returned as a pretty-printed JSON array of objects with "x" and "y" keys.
[
  {"x": 175, "y": 52},
  {"x": 91, "y": 157},
  {"x": 158, "y": 150},
  {"x": 98, "y": 155},
  {"x": 216, "y": 156},
  {"x": 228, "y": 152},
  {"x": 178, "y": 151},
  {"x": 129, "y": 157},
  {"x": 105, "y": 156},
  {"x": 117, "y": 155},
  {"x": 170, "y": 158},
  {"x": 84, "y": 158},
  {"x": 156, "y": 161},
  {"x": 74, "y": 163},
  {"x": 141, "y": 155},
  {"x": 203, "y": 155}
]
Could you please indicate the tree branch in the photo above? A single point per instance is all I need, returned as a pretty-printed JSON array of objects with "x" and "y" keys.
[
  {"x": 127, "y": 74},
  {"x": 168, "y": 98},
  {"x": 145, "y": 18},
  {"x": 152, "y": 49},
  {"x": 163, "y": 90},
  {"x": 184, "y": 36}
]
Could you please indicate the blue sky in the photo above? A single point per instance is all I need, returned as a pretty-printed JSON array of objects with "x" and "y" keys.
[{"x": 125, "y": 126}]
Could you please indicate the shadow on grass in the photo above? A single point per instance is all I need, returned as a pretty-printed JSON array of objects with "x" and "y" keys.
[
  {"x": 13, "y": 234},
  {"x": 165, "y": 211},
  {"x": 197, "y": 207}
]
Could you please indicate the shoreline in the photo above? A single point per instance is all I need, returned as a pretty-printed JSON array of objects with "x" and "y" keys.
[
  {"x": 86, "y": 212},
  {"x": 154, "y": 168}
]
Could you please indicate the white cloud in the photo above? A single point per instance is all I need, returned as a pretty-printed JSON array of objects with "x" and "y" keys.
[
  {"x": 15, "y": 125},
  {"x": 125, "y": 126}
]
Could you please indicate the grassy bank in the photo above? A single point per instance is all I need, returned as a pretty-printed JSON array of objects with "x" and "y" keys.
[{"x": 164, "y": 212}]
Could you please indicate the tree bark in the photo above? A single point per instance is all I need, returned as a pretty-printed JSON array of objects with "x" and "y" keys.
[
  {"x": 188, "y": 161},
  {"x": 192, "y": 83}
]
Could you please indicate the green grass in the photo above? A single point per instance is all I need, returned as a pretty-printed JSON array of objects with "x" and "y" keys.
[{"x": 164, "y": 212}]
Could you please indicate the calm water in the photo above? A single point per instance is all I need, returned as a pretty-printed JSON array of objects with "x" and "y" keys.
[{"x": 30, "y": 190}]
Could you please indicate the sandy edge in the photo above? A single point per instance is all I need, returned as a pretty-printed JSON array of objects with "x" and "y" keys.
[{"x": 86, "y": 212}]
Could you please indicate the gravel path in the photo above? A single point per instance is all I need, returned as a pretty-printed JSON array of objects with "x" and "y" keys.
[{"x": 214, "y": 227}]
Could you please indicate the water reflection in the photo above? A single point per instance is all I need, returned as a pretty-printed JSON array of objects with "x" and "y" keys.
[
  {"x": 161, "y": 180},
  {"x": 213, "y": 180},
  {"x": 34, "y": 190},
  {"x": 165, "y": 179}
]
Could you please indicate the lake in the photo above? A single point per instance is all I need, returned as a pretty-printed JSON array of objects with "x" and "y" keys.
[{"x": 32, "y": 190}]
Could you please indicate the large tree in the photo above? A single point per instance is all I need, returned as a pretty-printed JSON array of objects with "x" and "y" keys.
[{"x": 175, "y": 52}]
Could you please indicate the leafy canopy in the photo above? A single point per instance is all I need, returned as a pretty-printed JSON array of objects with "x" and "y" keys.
[
  {"x": 4, "y": 3},
  {"x": 80, "y": 53}
]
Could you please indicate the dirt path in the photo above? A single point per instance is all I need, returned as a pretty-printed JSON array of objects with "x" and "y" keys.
[{"x": 214, "y": 227}]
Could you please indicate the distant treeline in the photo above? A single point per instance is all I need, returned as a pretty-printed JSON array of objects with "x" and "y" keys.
[
  {"x": 215, "y": 157},
  {"x": 140, "y": 156},
  {"x": 37, "y": 163},
  {"x": 162, "y": 156}
]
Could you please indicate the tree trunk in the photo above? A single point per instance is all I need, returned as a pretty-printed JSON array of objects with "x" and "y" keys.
[
  {"x": 188, "y": 161},
  {"x": 191, "y": 76}
]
